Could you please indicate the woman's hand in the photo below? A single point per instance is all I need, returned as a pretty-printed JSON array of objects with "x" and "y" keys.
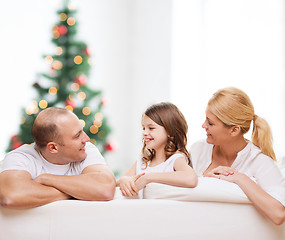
[
  {"x": 127, "y": 185},
  {"x": 220, "y": 171}
]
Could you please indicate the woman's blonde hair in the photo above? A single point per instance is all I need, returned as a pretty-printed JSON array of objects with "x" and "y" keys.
[
  {"x": 233, "y": 107},
  {"x": 168, "y": 116}
]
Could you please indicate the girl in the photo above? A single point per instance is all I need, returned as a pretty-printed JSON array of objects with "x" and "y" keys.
[
  {"x": 164, "y": 156},
  {"x": 227, "y": 155}
]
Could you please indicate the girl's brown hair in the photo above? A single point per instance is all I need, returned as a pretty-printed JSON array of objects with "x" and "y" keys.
[{"x": 168, "y": 116}]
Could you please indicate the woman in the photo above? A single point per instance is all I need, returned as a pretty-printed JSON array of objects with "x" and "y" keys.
[{"x": 227, "y": 155}]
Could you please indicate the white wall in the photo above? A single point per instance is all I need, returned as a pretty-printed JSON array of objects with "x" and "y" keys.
[
  {"x": 221, "y": 43},
  {"x": 130, "y": 44}
]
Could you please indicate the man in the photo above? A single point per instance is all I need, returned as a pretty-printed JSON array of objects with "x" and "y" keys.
[{"x": 61, "y": 164}]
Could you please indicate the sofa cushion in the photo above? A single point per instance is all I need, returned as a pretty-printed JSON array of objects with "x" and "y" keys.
[{"x": 207, "y": 190}]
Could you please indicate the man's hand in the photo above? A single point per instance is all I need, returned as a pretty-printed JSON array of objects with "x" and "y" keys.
[{"x": 19, "y": 190}]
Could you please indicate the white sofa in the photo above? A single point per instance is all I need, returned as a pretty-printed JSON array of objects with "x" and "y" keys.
[{"x": 213, "y": 210}]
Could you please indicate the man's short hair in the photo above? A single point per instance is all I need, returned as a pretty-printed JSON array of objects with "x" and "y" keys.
[{"x": 45, "y": 129}]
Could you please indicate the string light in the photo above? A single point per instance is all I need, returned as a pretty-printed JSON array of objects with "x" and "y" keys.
[
  {"x": 43, "y": 104},
  {"x": 81, "y": 95},
  {"x": 55, "y": 31},
  {"x": 72, "y": 6},
  {"x": 70, "y": 21},
  {"x": 74, "y": 87},
  {"x": 49, "y": 59},
  {"x": 57, "y": 65},
  {"x": 68, "y": 107},
  {"x": 58, "y": 51},
  {"x": 86, "y": 111},
  {"x": 52, "y": 91},
  {"x": 62, "y": 17},
  {"x": 82, "y": 122},
  {"x": 97, "y": 123},
  {"x": 93, "y": 129},
  {"x": 78, "y": 60},
  {"x": 33, "y": 108},
  {"x": 98, "y": 116}
]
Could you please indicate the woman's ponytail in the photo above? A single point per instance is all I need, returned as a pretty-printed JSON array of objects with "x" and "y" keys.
[{"x": 262, "y": 136}]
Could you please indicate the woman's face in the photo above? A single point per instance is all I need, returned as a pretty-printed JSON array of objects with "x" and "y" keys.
[{"x": 217, "y": 132}]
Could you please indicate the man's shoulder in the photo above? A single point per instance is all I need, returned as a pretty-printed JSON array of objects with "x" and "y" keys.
[{"x": 26, "y": 149}]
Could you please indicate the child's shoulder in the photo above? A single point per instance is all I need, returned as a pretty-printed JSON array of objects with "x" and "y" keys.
[{"x": 177, "y": 155}]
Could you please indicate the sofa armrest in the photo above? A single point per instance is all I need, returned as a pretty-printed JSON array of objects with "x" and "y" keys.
[{"x": 207, "y": 190}]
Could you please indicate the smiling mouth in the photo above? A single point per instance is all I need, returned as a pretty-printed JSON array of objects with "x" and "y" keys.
[{"x": 148, "y": 140}]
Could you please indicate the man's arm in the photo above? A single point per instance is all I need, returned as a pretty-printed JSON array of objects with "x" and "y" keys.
[
  {"x": 96, "y": 183},
  {"x": 19, "y": 190}
]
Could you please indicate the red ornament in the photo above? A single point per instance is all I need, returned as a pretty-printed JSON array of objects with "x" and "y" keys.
[
  {"x": 16, "y": 142},
  {"x": 16, "y": 145},
  {"x": 87, "y": 51},
  {"x": 62, "y": 30},
  {"x": 81, "y": 80},
  {"x": 14, "y": 138},
  {"x": 111, "y": 146},
  {"x": 104, "y": 101},
  {"x": 70, "y": 103}
]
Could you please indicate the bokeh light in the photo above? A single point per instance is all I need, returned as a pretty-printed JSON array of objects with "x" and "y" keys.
[
  {"x": 86, "y": 111},
  {"x": 93, "y": 129},
  {"x": 62, "y": 17},
  {"x": 43, "y": 104},
  {"x": 52, "y": 91},
  {"x": 78, "y": 60},
  {"x": 57, "y": 65},
  {"x": 49, "y": 59},
  {"x": 74, "y": 87},
  {"x": 81, "y": 95},
  {"x": 58, "y": 51},
  {"x": 70, "y": 21},
  {"x": 82, "y": 122}
]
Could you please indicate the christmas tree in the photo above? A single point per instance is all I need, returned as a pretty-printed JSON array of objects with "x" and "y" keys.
[{"x": 65, "y": 85}]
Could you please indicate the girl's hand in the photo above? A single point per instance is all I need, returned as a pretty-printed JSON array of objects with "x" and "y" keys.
[
  {"x": 221, "y": 170},
  {"x": 127, "y": 185},
  {"x": 142, "y": 182}
]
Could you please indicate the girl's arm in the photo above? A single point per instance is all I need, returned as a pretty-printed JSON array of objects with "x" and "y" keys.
[
  {"x": 183, "y": 176},
  {"x": 127, "y": 182},
  {"x": 264, "y": 203}
]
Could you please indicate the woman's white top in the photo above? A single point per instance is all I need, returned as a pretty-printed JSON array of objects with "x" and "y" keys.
[
  {"x": 166, "y": 166},
  {"x": 249, "y": 161}
]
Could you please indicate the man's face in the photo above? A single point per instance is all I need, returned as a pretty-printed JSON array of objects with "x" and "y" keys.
[{"x": 73, "y": 139}]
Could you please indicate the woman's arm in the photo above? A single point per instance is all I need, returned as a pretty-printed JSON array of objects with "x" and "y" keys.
[
  {"x": 264, "y": 203},
  {"x": 183, "y": 176}
]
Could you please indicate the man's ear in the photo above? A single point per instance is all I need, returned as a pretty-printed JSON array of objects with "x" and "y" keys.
[
  {"x": 52, "y": 147},
  {"x": 235, "y": 130}
]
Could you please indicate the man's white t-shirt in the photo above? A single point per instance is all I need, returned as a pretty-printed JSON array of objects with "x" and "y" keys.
[
  {"x": 249, "y": 161},
  {"x": 27, "y": 158}
]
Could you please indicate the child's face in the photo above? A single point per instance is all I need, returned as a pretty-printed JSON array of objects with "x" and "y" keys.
[{"x": 154, "y": 135}]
